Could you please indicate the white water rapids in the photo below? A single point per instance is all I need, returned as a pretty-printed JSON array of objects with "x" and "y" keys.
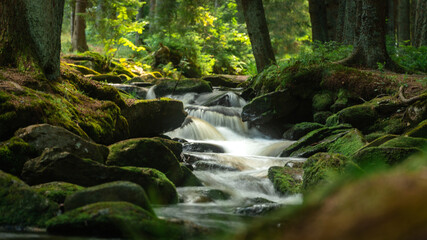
[{"x": 240, "y": 172}]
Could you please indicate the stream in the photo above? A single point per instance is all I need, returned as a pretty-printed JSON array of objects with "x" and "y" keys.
[{"x": 232, "y": 161}]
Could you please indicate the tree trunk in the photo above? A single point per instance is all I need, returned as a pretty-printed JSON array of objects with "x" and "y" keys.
[
  {"x": 73, "y": 18},
  {"x": 30, "y": 36},
  {"x": 139, "y": 17},
  {"x": 403, "y": 29},
  {"x": 391, "y": 19},
  {"x": 346, "y": 24},
  {"x": 420, "y": 24},
  {"x": 317, "y": 9},
  {"x": 370, "y": 48},
  {"x": 79, "y": 35},
  {"x": 332, "y": 11},
  {"x": 256, "y": 24}
]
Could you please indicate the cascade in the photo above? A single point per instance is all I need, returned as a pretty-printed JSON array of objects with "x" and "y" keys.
[{"x": 235, "y": 181}]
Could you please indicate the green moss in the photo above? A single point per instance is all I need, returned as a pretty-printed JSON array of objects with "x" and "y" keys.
[
  {"x": 83, "y": 69},
  {"x": 348, "y": 144},
  {"x": 13, "y": 154},
  {"x": 57, "y": 191},
  {"x": 318, "y": 167},
  {"x": 20, "y": 205},
  {"x": 406, "y": 142},
  {"x": 373, "y": 157},
  {"x": 359, "y": 116},
  {"x": 419, "y": 131},
  {"x": 322, "y": 101},
  {"x": 286, "y": 180}
]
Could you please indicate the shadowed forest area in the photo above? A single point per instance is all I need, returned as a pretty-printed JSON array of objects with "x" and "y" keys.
[{"x": 220, "y": 119}]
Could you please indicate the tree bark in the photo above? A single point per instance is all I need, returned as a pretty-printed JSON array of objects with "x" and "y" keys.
[
  {"x": 346, "y": 24},
  {"x": 317, "y": 9},
  {"x": 370, "y": 48},
  {"x": 391, "y": 19},
  {"x": 152, "y": 16},
  {"x": 403, "y": 27},
  {"x": 79, "y": 35},
  {"x": 420, "y": 24},
  {"x": 73, "y": 18},
  {"x": 332, "y": 11},
  {"x": 256, "y": 24},
  {"x": 30, "y": 36}
]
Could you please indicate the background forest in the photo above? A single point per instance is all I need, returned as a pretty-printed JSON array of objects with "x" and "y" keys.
[{"x": 210, "y": 36}]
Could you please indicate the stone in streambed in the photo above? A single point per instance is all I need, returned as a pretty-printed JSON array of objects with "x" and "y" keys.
[
  {"x": 147, "y": 118},
  {"x": 20, "y": 205},
  {"x": 299, "y": 130},
  {"x": 202, "y": 147},
  {"x": 168, "y": 86},
  {"x": 119, "y": 191},
  {"x": 57, "y": 191},
  {"x": 286, "y": 180},
  {"x": 42, "y": 136},
  {"x": 13, "y": 155},
  {"x": 56, "y": 165}
]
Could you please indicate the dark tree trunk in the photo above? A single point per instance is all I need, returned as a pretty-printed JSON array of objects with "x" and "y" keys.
[
  {"x": 139, "y": 17},
  {"x": 256, "y": 24},
  {"x": 391, "y": 19},
  {"x": 317, "y": 9},
  {"x": 79, "y": 35},
  {"x": 152, "y": 16},
  {"x": 403, "y": 27},
  {"x": 370, "y": 48},
  {"x": 332, "y": 11},
  {"x": 420, "y": 24},
  {"x": 30, "y": 36},
  {"x": 346, "y": 24},
  {"x": 73, "y": 18}
]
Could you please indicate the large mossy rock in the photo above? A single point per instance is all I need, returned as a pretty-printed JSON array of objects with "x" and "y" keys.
[
  {"x": 119, "y": 191},
  {"x": 44, "y": 136},
  {"x": 13, "y": 155},
  {"x": 272, "y": 111},
  {"x": 56, "y": 165},
  {"x": 322, "y": 101},
  {"x": 348, "y": 144},
  {"x": 120, "y": 219},
  {"x": 286, "y": 180},
  {"x": 20, "y": 205},
  {"x": 222, "y": 81},
  {"x": 318, "y": 166},
  {"x": 374, "y": 157},
  {"x": 315, "y": 141},
  {"x": 168, "y": 86},
  {"x": 385, "y": 206},
  {"x": 146, "y": 152},
  {"x": 359, "y": 116},
  {"x": 57, "y": 191},
  {"x": 147, "y": 118},
  {"x": 406, "y": 142},
  {"x": 300, "y": 129}
]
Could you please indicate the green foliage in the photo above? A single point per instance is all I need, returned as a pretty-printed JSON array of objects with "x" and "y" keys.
[{"x": 411, "y": 58}]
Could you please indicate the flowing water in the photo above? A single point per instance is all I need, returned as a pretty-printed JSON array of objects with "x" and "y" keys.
[{"x": 236, "y": 186}]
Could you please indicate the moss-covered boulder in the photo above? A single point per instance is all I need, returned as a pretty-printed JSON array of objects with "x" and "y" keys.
[
  {"x": 83, "y": 69},
  {"x": 189, "y": 179},
  {"x": 119, "y": 191},
  {"x": 56, "y": 165},
  {"x": 42, "y": 136},
  {"x": 146, "y": 152},
  {"x": 222, "y": 81},
  {"x": 300, "y": 129},
  {"x": 271, "y": 112},
  {"x": 57, "y": 191},
  {"x": 348, "y": 144},
  {"x": 315, "y": 141},
  {"x": 120, "y": 219},
  {"x": 133, "y": 90},
  {"x": 419, "y": 131},
  {"x": 406, "y": 142},
  {"x": 322, "y": 101},
  {"x": 286, "y": 180},
  {"x": 359, "y": 116},
  {"x": 318, "y": 166},
  {"x": 14, "y": 153},
  {"x": 20, "y": 205},
  {"x": 168, "y": 86},
  {"x": 321, "y": 117},
  {"x": 147, "y": 118},
  {"x": 379, "y": 156}
]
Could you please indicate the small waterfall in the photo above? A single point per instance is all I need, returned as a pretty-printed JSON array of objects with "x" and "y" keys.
[
  {"x": 220, "y": 116},
  {"x": 196, "y": 129},
  {"x": 151, "y": 94}
]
